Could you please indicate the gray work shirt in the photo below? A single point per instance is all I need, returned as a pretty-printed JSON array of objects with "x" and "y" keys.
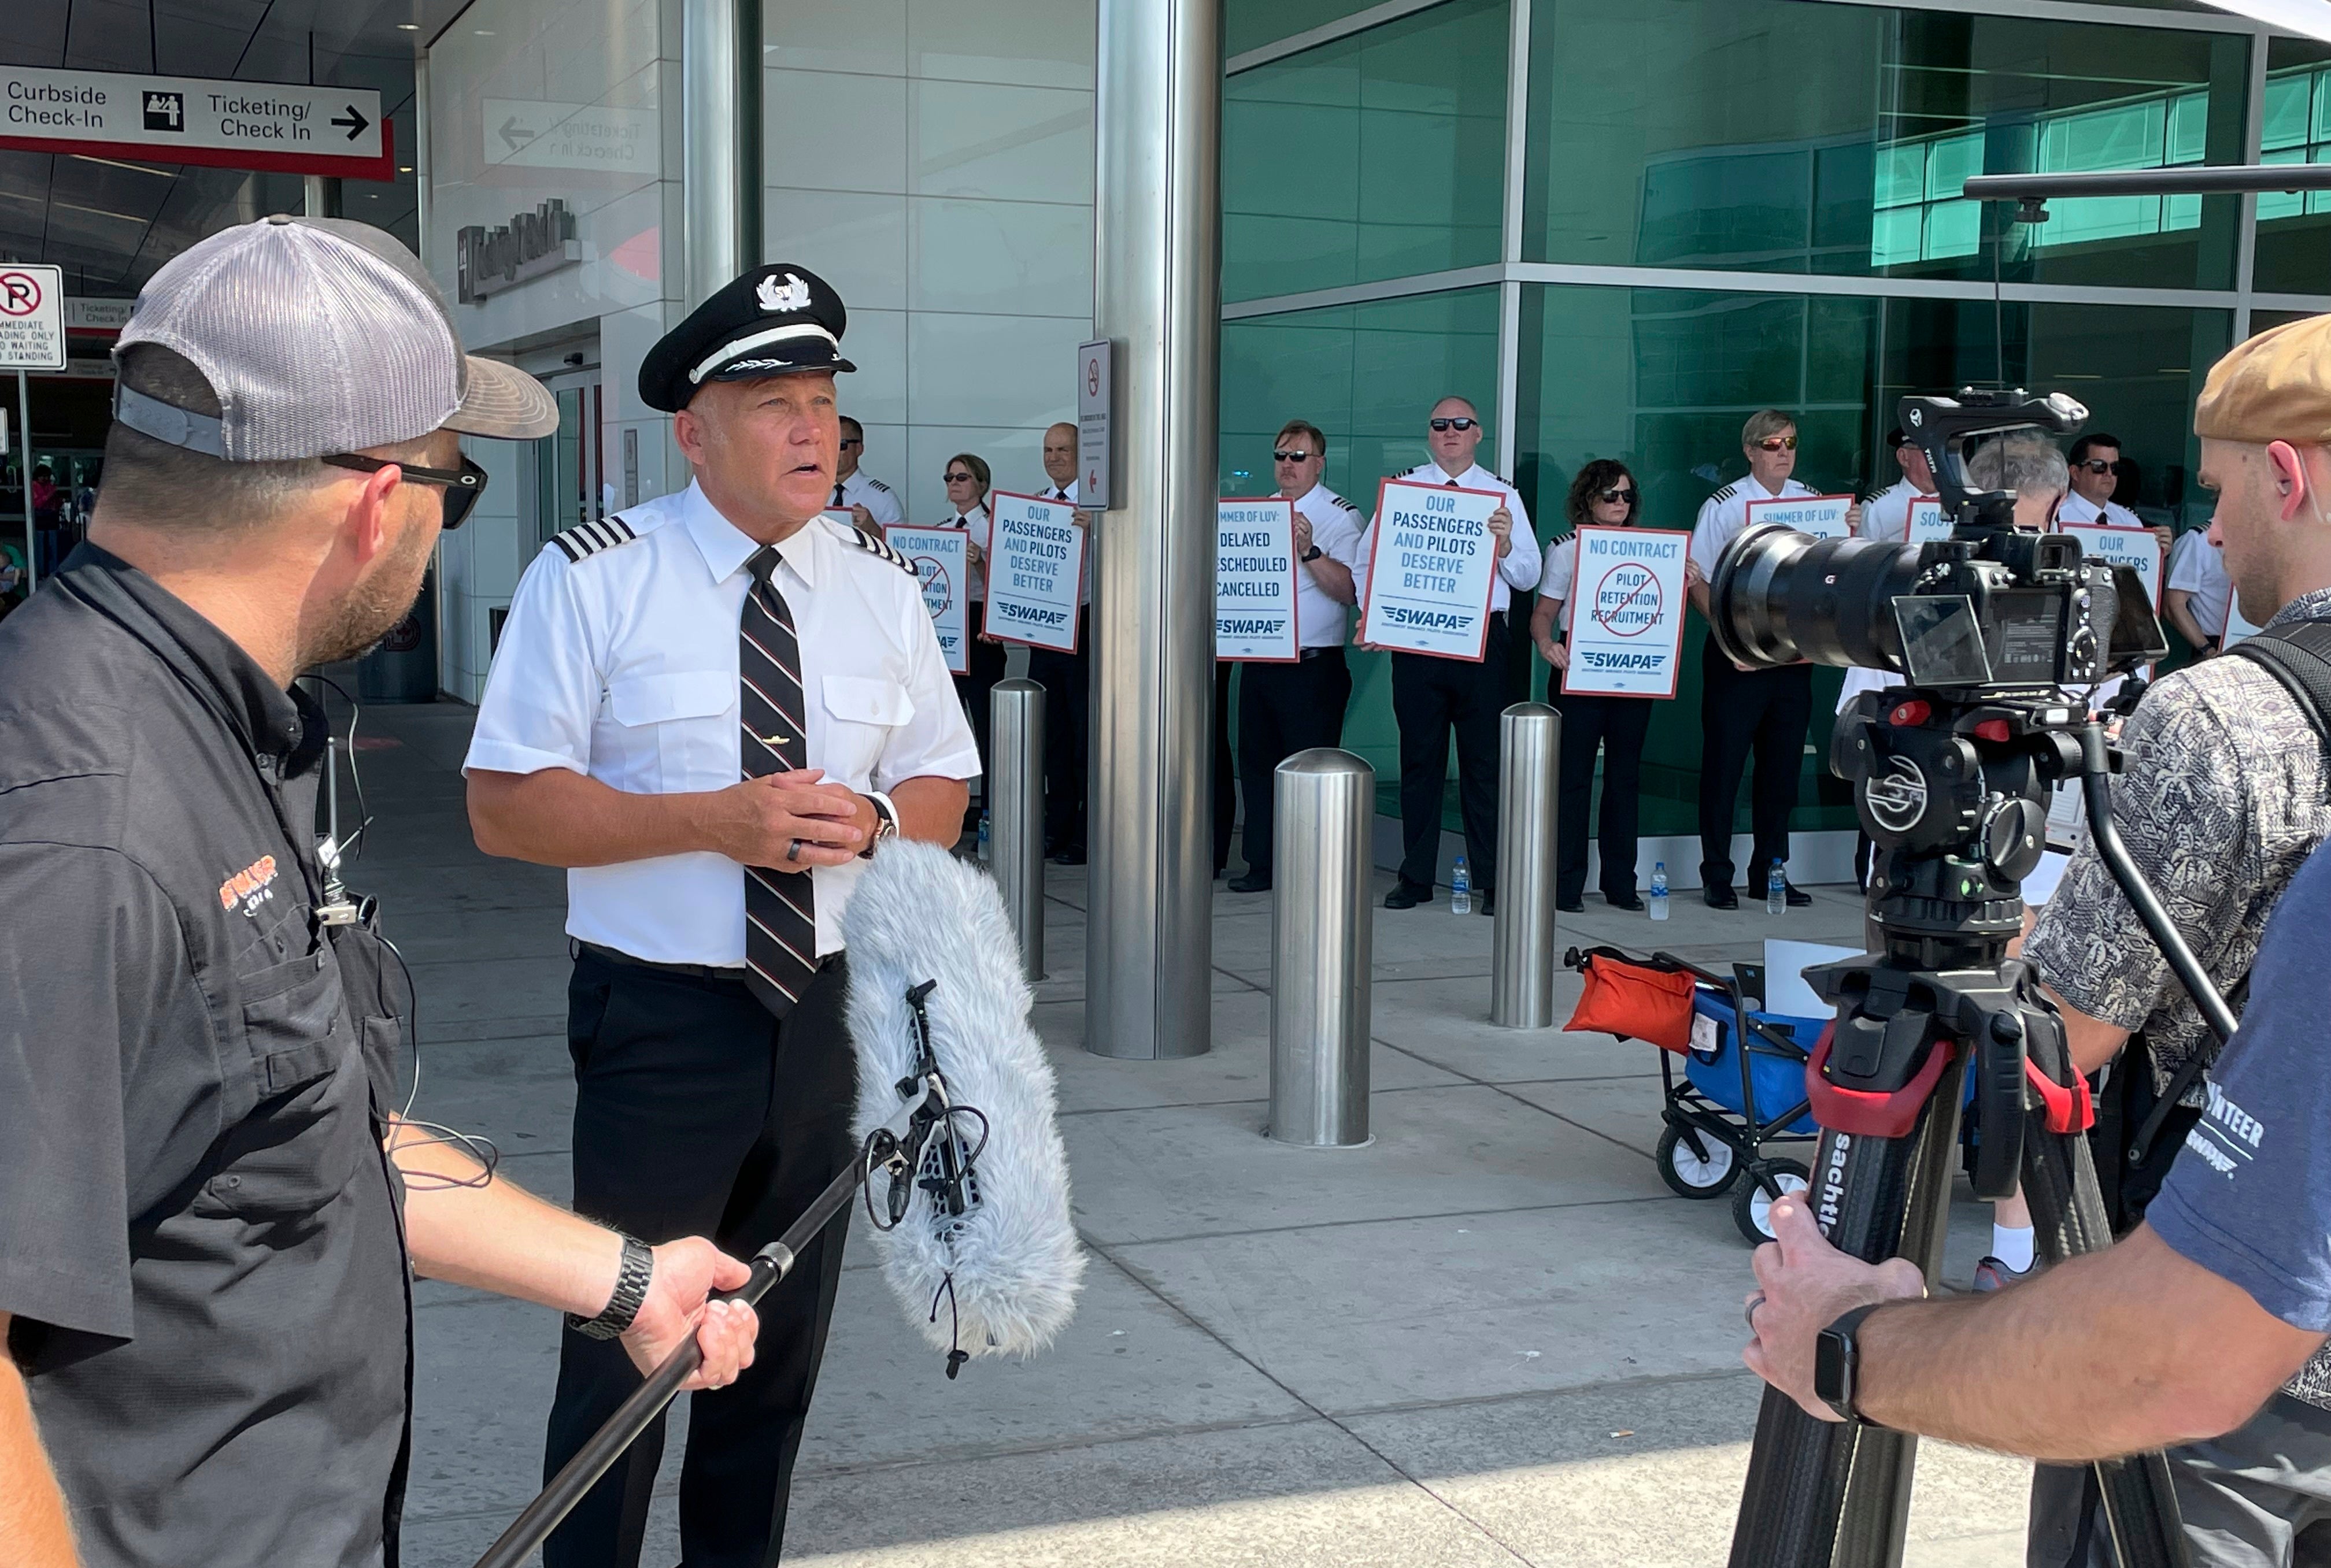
[{"x": 200, "y": 1239}]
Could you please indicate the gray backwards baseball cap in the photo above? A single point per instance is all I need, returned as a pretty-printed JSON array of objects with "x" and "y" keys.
[{"x": 320, "y": 337}]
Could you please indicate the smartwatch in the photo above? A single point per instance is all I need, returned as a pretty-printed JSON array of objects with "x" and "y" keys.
[
  {"x": 1313, "y": 553},
  {"x": 1837, "y": 1362}
]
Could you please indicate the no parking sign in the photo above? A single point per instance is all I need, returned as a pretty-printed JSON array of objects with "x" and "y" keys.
[
  {"x": 31, "y": 317},
  {"x": 1626, "y": 625}
]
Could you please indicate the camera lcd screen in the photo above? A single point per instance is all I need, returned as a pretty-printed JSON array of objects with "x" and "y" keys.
[
  {"x": 2031, "y": 635},
  {"x": 1942, "y": 642}
]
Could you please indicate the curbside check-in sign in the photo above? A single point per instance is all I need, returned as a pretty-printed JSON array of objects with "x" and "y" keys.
[{"x": 273, "y": 127}]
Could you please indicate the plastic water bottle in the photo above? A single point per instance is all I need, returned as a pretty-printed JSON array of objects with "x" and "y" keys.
[
  {"x": 1777, "y": 889},
  {"x": 1460, "y": 889},
  {"x": 1659, "y": 890},
  {"x": 983, "y": 842}
]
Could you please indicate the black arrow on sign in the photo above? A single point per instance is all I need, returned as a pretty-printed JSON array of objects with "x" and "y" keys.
[
  {"x": 355, "y": 122},
  {"x": 514, "y": 134}
]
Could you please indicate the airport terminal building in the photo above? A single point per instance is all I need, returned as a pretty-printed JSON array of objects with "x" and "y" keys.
[{"x": 1619, "y": 226}]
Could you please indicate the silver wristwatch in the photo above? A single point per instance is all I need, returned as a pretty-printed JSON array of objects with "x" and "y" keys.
[{"x": 630, "y": 1294}]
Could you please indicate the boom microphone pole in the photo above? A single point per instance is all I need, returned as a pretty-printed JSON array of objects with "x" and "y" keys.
[{"x": 976, "y": 1214}]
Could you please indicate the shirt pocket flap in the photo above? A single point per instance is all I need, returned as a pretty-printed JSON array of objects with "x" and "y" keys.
[
  {"x": 861, "y": 699},
  {"x": 636, "y": 700}
]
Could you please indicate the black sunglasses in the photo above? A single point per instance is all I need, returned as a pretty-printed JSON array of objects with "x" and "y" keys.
[
  {"x": 956, "y": 478},
  {"x": 853, "y": 440},
  {"x": 463, "y": 486},
  {"x": 2095, "y": 465},
  {"x": 1608, "y": 496},
  {"x": 1457, "y": 423},
  {"x": 1292, "y": 456}
]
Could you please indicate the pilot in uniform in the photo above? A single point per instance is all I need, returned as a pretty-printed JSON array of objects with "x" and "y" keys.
[
  {"x": 667, "y": 651},
  {"x": 853, "y": 487}
]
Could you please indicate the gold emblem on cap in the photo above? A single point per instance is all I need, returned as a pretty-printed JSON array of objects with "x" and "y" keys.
[{"x": 793, "y": 296}]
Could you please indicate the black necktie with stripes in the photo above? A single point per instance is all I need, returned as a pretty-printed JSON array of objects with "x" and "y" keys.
[
  {"x": 780, "y": 907},
  {"x": 838, "y": 502}
]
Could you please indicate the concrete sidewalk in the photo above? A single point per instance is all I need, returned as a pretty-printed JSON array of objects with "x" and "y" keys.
[{"x": 1492, "y": 1336}]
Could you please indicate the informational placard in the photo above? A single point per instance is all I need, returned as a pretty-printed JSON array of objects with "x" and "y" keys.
[
  {"x": 943, "y": 562},
  {"x": 1626, "y": 612},
  {"x": 274, "y": 127},
  {"x": 1035, "y": 571},
  {"x": 1254, "y": 580},
  {"x": 31, "y": 317},
  {"x": 1432, "y": 569},
  {"x": 1822, "y": 517},
  {"x": 1929, "y": 524},
  {"x": 2137, "y": 548},
  {"x": 1096, "y": 425}
]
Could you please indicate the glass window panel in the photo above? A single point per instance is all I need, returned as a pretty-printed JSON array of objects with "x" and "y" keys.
[
  {"x": 2288, "y": 98},
  {"x": 1665, "y": 132},
  {"x": 1376, "y": 155},
  {"x": 2294, "y": 229}
]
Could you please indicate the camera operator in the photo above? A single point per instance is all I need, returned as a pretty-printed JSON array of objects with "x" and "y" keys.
[{"x": 2220, "y": 802}]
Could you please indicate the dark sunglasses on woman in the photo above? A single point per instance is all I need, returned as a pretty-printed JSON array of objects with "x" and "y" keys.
[
  {"x": 1610, "y": 496},
  {"x": 463, "y": 485}
]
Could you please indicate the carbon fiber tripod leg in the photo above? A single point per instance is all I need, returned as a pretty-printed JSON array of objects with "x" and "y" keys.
[
  {"x": 2059, "y": 1181},
  {"x": 1800, "y": 1469}
]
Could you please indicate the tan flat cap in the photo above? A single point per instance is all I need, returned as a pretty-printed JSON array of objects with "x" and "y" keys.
[{"x": 2274, "y": 386}]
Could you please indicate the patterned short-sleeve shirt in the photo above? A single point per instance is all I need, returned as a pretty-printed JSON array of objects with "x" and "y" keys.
[{"x": 2221, "y": 802}]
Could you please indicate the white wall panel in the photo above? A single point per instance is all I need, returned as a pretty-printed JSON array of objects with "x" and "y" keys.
[
  {"x": 1016, "y": 258},
  {"x": 833, "y": 130},
  {"x": 861, "y": 35},
  {"x": 1023, "y": 43},
  {"x": 855, "y": 234},
  {"x": 993, "y": 370},
  {"x": 1022, "y": 144}
]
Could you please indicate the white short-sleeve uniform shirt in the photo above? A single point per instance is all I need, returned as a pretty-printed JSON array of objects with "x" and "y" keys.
[
  {"x": 1320, "y": 622},
  {"x": 1887, "y": 515},
  {"x": 980, "y": 524},
  {"x": 2079, "y": 510},
  {"x": 1723, "y": 515},
  {"x": 1561, "y": 574},
  {"x": 1053, "y": 492},
  {"x": 1520, "y": 566},
  {"x": 2198, "y": 567},
  {"x": 619, "y": 661},
  {"x": 862, "y": 489}
]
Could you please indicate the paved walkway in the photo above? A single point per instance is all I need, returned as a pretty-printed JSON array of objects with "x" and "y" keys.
[{"x": 1493, "y": 1337}]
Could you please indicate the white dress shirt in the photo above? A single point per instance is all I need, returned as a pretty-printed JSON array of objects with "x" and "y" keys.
[
  {"x": 1519, "y": 567},
  {"x": 2077, "y": 509},
  {"x": 862, "y": 489},
  {"x": 621, "y": 666},
  {"x": 1723, "y": 515},
  {"x": 1053, "y": 492},
  {"x": 980, "y": 524},
  {"x": 1561, "y": 575},
  {"x": 2198, "y": 567},
  {"x": 1887, "y": 515},
  {"x": 1321, "y": 622}
]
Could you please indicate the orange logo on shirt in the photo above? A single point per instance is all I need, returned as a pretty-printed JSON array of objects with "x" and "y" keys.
[{"x": 248, "y": 885}]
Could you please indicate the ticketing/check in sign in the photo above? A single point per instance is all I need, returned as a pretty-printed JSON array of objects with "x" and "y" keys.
[
  {"x": 31, "y": 317},
  {"x": 273, "y": 127}
]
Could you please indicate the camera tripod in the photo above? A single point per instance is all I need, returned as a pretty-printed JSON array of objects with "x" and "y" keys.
[{"x": 1951, "y": 792}]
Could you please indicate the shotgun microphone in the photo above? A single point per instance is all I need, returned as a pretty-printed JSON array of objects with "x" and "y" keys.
[{"x": 979, "y": 1248}]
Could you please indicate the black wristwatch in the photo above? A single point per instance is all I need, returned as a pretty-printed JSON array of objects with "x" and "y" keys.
[
  {"x": 630, "y": 1294},
  {"x": 1837, "y": 1362},
  {"x": 1313, "y": 553},
  {"x": 886, "y": 822}
]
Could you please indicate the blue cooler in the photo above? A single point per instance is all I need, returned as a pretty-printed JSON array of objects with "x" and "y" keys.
[{"x": 1779, "y": 1080}]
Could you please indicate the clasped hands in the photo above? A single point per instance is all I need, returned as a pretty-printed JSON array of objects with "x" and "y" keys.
[{"x": 792, "y": 821}]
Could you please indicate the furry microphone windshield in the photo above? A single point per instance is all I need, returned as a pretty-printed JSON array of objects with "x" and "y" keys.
[{"x": 1000, "y": 1276}]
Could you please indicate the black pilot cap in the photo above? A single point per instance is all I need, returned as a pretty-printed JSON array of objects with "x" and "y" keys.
[{"x": 772, "y": 321}]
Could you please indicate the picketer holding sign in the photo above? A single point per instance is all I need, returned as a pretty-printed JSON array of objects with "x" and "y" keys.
[{"x": 1431, "y": 696}]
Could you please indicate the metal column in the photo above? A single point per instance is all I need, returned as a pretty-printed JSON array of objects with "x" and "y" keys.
[
  {"x": 1015, "y": 818},
  {"x": 1156, "y": 208},
  {"x": 1522, "y": 962},
  {"x": 721, "y": 129},
  {"x": 1322, "y": 928}
]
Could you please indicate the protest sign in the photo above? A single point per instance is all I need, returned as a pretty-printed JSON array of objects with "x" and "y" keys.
[
  {"x": 1432, "y": 565},
  {"x": 1822, "y": 517},
  {"x": 1928, "y": 522},
  {"x": 943, "y": 562},
  {"x": 2135, "y": 547},
  {"x": 1626, "y": 612},
  {"x": 1034, "y": 572},
  {"x": 1254, "y": 580}
]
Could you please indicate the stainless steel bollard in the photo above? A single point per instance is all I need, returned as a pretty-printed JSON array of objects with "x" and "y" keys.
[
  {"x": 1521, "y": 968},
  {"x": 1015, "y": 818},
  {"x": 1322, "y": 928}
]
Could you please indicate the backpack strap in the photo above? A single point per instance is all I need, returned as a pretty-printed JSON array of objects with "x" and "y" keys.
[{"x": 2298, "y": 656}]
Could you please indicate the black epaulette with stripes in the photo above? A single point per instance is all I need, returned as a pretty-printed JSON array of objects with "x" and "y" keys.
[
  {"x": 877, "y": 484},
  {"x": 1725, "y": 494},
  {"x": 874, "y": 546},
  {"x": 1335, "y": 500},
  {"x": 591, "y": 537}
]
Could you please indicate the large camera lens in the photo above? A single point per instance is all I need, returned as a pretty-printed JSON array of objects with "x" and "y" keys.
[{"x": 1780, "y": 597}]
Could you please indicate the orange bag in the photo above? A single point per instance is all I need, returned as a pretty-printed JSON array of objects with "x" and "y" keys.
[{"x": 1634, "y": 1000}]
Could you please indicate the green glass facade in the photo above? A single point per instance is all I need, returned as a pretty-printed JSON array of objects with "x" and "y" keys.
[{"x": 1727, "y": 204}]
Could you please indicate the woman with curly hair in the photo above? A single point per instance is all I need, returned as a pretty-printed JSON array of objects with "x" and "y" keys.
[{"x": 1606, "y": 495}]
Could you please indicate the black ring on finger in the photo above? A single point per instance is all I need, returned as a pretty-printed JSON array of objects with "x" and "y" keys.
[
  {"x": 792, "y": 849},
  {"x": 1755, "y": 1302}
]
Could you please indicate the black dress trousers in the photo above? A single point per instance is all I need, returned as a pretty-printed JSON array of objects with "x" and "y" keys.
[
  {"x": 1226, "y": 769},
  {"x": 1432, "y": 698},
  {"x": 1761, "y": 711},
  {"x": 1616, "y": 725},
  {"x": 1284, "y": 709},
  {"x": 1067, "y": 680},
  {"x": 696, "y": 1113},
  {"x": 975, "y": 688}
]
